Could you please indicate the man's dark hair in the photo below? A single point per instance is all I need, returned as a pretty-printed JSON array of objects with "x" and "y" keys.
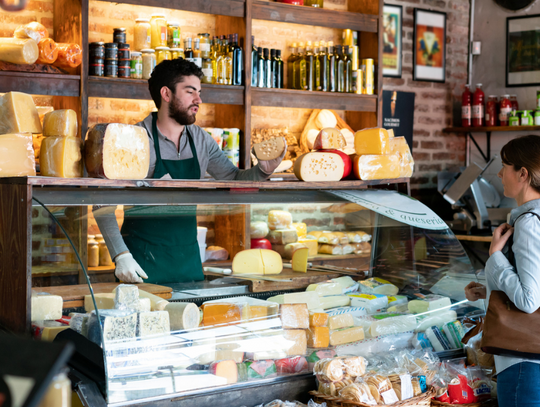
[{"x": 169, "y": 74}]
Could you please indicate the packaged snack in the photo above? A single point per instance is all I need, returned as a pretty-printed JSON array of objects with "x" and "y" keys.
[
  {"x": 317, "y": 355},
  {"x": 359, "y": 392},
  {"x": 69, "y": 55},
  {"x": 297, "y": 364},
  {"x": 354, "y": 365},
  {"x": 381, "y": 389},
  {"x": 329, "y": 370}
]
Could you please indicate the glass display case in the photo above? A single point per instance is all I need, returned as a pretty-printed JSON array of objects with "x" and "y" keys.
[{"x": 379, "y": 256}]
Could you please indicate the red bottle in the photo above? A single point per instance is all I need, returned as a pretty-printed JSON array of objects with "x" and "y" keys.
[
  {"x": 491, "y": 111},
  {"x": 514, "y": 102},
  {"x": 478, "y": 106},
  {"x": 466, "y": 107},
  {"x": 506, "y": 108}
]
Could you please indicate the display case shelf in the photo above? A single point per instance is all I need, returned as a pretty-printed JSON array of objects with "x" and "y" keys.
[{"x": 40, "y": 83}]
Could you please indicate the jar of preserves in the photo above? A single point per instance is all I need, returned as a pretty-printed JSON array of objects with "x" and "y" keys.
[
  {"x": 149, "y": 62},
  {"x": 478, "y": 107},
  {"x": 208, "y": 72},
  {"x": 162, "y": 54},
  {"x": 104, "y": 256},
  {"x": 205, "y": 45},
  {"x": 93, "y": 254},
  {"x": 158, "y": 25},
  {"x": 175, "y": 53},
  {"x": 111, "y": 50},
  {"x": 506, "y": 108},
  {"x": 491, "y": 111},
  {"x": 136, "y": 65},
  {"x": 97, "y": 50},
  {"x": 173, "y": 34},
  {"x": 142, "y": 34},
  {"x": 119, "y": 35},
  {"x": 514, "y": 102}
]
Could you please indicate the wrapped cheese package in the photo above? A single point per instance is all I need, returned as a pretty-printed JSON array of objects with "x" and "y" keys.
[
  {"x": 61, "y": 157},
  {"x": 17, "y": 155},
  {"x": 314, "y": 167},
  {"x": 372, "y": 141},
  {"x": 370, "y": 167},
  {"x": 117, "y": 151},
  {"x": 278, "y": 220},
  {"x": 399, "y": 146},
  {"x": 69, "y": 55},
  {"x": 34, "y": 30},
  {"x": 221, "y": 313},
  {"x": 60, "y": 123},
  {"x": 19, "y": 50},
  {"x": 18, "y": 114},
  {"x": 48, "y": 51}
]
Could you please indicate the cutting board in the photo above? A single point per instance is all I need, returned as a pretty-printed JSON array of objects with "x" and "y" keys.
[{"x": 73, "y": 295}]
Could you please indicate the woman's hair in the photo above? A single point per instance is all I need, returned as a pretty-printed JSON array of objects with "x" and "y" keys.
[{"x": 524, "y": 152}]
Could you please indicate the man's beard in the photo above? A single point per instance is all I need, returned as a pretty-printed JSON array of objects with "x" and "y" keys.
[{"x": 181, "y": 115}]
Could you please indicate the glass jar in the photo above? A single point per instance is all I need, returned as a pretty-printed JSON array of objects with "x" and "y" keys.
[
  {"x": 149, "y": 62},
  {"x": 93, "y": 254},
  {"x": 205, "y": 45},
  {"x": 514, "y": 102},
  {"x": 505, "y": 109},
  {"x": 173, "y": 34},
  {"x": 104, "y": 256},
  {"x": 59, "y": 392},
  {"x": 208, "y": 72},
  {"x": 142, "y": 34},
  {"x": 491, "y": 111},
  {"x": 119, "y": 35},
  {"x": 175, "y": 53},
  {"x": 136, "y": 65},
  {"x": 314, "y": 3},
  {"x": 162, "y": 54},
  {"x": 158, "y": 25}
]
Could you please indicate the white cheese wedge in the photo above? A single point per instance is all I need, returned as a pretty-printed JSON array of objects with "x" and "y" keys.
[{"x": 46, "y": 307}]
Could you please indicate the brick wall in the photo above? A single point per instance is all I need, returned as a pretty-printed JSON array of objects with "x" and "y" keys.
[
  {"x": 41, "y": 11},
  {"x": 434, "y": 150}
]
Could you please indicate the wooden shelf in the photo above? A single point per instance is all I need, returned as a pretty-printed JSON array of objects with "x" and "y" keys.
[
  {"x": 472, "y": 238},
  {"x": 285, "y": 13},
  {"x": 308, "y": 100},
  {"x": 138, "y": 89},
  {"x": 40, "y": 83},
  {"x": 231, "y": 8},
  {"x": 490, "y": 129}
]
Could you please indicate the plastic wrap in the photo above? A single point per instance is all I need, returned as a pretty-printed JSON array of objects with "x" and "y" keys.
[
  {"x": 294, "y": 365},
  {"x": 329, "y": 370},
  {"x": 329, "y": 138},
  {"x": 295, "y": 342},
  {"x": 33, "y": 30},
  {"x": 48, "y": 51},
  {"x": 117, "y": 151},
  {"x": 278, "y": 220},
  {"x": 60, "y": 123},
  {"x": 359, "y": 392},
  {"x": 319, "y": 167},
  {"x": 437, "y": 318},
  {"x": 19, "y": 50},
  {"x": 325, "y": 289},
  {"x": 377, "y": 285},
  {"x": 17, "y": 155},
  {"x": 343, "y": 238},
  {"x": 216, "y": 253},
  {"x": 261, "y": 369},
  {"x": 61, "y": 157},
  {"x": 346, "y": 335},
  {"x": 381, "y": 389},
  {"x": 329, "y": 238},
  {"x": 259, "y": 230},
  {"x": 354, "y": 365},
  {"x": 318, "y": 337},
  {"x": 294, "y": 316},
  {"x": 340, "y": 321},
  {"x": 334, "y": 301},
  {"x": 330, "y": 249},
  {"x": 314, "y": 355},
  {"x": 475, "y": 354},
  {"x": 371, "y": 302},
  {"x": 69, "y": 55},
  {"x": 372, "y": 167},
  {"x": 221, "y": 313}
]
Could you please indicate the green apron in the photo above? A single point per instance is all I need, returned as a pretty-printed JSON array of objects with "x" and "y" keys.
[{"x": 163, "y": 240}]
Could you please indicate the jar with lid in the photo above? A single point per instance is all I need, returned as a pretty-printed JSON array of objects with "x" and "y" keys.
[
  {"x": 162, "y": 54},
  {"x": 104, "y": 256},
  {"x": 505, "y": 109},
  {"x": 537, "y": 118},
  {"x": 526, "y": 118},
  {"x": 119, "y": 35},
  {"x": 173, "y": 34},
  {"x": 136, "y": 65},
  {"x": 158, "y": 25},
  {"x": 93, "y": 251},
  {"x": 208, "y": 72},
  {"x": 491, "y": 111},
  {"x": 149, "y": 62},
  {"x": 177, "y": 53},
  {"x": 59, "y": 392},
  {"x": 142, "y": 34},
  {"x": 205, "y": 45},
  {"x": 514, "y": 102},
  {"x": 513, "y": 119}
]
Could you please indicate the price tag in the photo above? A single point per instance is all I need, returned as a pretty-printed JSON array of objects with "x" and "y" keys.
[
  {"x": 390, "y": 397},
  {"x": 406, "y": 387}
]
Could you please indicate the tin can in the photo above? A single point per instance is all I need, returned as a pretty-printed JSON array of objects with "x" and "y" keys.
[
  {"x": 233, "y": 156},
  {"x": 111, "y": 71},
  {"x": 96, "y": 69},
  {"x": 97, "y": 50},
  {"x": 123, "y": 51},
  {"x": 119, "y": 35},
  {"x": 111, "y": 50},
  {"x": 369, "y": 76},
  {"x": 231, "y": 139},
  {"x": 360, "y": 81}
]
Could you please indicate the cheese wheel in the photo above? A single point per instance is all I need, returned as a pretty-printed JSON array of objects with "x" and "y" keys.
[
  {"x": 69, "y": 55},
  {"x": 19, "y": 50},
  {"x": 17, "y": 155},
  {"x": 183, "y": 315},
  {"x": 319, "y": 167},
  {"x": 60, "y": 123},
  {"x": 34, "y": 30},
  {"x": 270, "y": 149},
  {"x": 258, "y": 230},
  {"x": 329, "y": 139},
  {"x": 61, "y": 157},
  {"x": 48, "y": 51}
]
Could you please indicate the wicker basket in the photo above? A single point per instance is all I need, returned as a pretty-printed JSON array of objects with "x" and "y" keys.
[
  {"x": 423, "y": 400},
  {"x": 488, "y": 403}
]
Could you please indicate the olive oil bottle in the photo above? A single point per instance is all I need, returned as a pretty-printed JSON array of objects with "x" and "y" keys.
[
  {"x": 310, "y": 67},
  {"x": 332, "y": 83},
  {"x": 291, "y": 78},
  {"x": 300, "y": 67},
  {"x": 340, "y": 69},
  {"x": 317, "y": 71}
]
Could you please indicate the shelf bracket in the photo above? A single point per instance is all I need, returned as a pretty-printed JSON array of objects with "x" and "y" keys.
[{"x": 487, "y": 155}]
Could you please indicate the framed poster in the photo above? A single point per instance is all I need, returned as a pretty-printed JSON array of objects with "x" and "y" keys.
[
  {"x": 398, "y": 113},
  {"x": 392, "y": 33},
  {"x": 429, "y": 51},
  {"x": 522, "y": 51}
]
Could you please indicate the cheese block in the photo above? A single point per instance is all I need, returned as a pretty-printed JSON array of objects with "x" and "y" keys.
[
  {"x": 49, "y": 332},
  {"x": 220, "y": 313},
  {"x": 300, "y": 260},
  {"x": 257, "y": 261},
  {"x": 297, "y": 341},
  {"x": 301, "y": 229},
  {"x": 333, "y": 301},
  {"x": 294, "y": 316},
  {"x": 61, "y": 157},
  {"x": 345, "y": 282},
  {"x": 144, "y": 305},
  {"x": 329, "y": 238},
  {"x": 346, "y": 335},
  {"x": 226, "y": 369},
  {"x": 19, "y": 50},
  {"x": 372, "y": 141},
  {"x": 258, "y": 230},
  {"x": 283, "y": 236},
  {"x": 318, "y": 337},
  {"x": 324, "y": 289},
  {"x": 393, "y": 325},
  {"x": 318, "y": 319},
  {"x": 117, "y": 151},
  {"x": 312, "y": 245},
  {"x": 340, "y": 321},
  {"x": 311, "y": 299},
  {"x": 16, "y": 155},
  {"x": 117, "y": 324},
  {"x": 330, "y": 249},
  {"x": 376, "y": 285},
  {"x": 287, "y": 251},
  {"x": 183, "y": 315},
  {"x": 34, "y": 30},
  {"x": 256, "y": 311},
  {"x": 228, "y": 354},
  {"x": 42, "y": 111},
  {"x": 318, "y": 167},
  {"x": 278, "y": 220},
  {"x": 46, "y": 307},
  {"x": 325, "y": 118},
  {"x": 399, "y": 146},
  {"x": 158, "y": 303},
  {"x": 126, "y": 297},
  {"x": 153, "y": 323},
  {"x": 60, "y": 123},
  {"x": 371, "y": 167},
  {"x": 18, "y": 114},
  {"x": 329, "y": 138},
  {"x": 429, "y": 303},
  {"x": 77, "y": 321},
  {"x": 270, "y": 149},
  {"x": 103, "y": 301}
]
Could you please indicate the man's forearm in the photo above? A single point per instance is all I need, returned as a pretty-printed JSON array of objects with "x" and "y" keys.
[{"x": 108, "y": 225}]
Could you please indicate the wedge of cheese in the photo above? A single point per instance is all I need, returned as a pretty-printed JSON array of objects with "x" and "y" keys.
[
  {"x": 257, "y": 261},
  {"x": 117, "y": 151},
  {"x": 60, "y": 123},
  {"x": 300, "y": 260},
  {"x": 370, "y": 167},
  {"x": 270, "y": 149},
  {"x": 372, "y": 141},
  {"x": 312, "y": 245},
  {"x": 17, "y": 155},
  {"x": 18, "y": 114},
  {"x": 399, "y": 146},
  {"x": 61, "y": 157},
  {"x": 317, "y": 167},
  {"x": 329, "y": 138},
  {"x": 301, "y": 229}
]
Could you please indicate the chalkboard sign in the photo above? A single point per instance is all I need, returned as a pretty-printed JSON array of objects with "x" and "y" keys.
[{"x": 514, "y": 4}]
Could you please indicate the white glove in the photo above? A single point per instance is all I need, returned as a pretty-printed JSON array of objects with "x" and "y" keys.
[
  {"x": 268, "y": 167},
  {"x": 128, "y": 270}
]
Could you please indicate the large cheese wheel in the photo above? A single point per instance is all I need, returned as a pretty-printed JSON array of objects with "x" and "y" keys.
[
  {"x": 19, "y": 50},
  {"x": 369, "y": 167},
  {"x": 117, "y": 151},
  {"x": 183, "y": 315},
  {"x": 60, "y": 123},
  {"x": 257, "y": 261},
  {"x": 16, "y": 155},
  {"x": 319, "y": 167},
  {"x": 48, "y": 51},
  {"x": 18, "y": 114},
  {"x": 61, "y": 157}
]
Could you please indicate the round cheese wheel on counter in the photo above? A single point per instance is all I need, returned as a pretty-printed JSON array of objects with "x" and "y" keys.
[
  {"x": 319, "y": 167},
  {"x": 258, "y": 230},
  {"x": 347, "y": 162},
  {"x": 261, "y": 244}
]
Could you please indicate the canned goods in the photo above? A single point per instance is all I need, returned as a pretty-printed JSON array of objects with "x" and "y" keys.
[
  {"x": 111, "y": 62},
  {"x": 97, "y": 50},
  {"x": 124, "y": 62},
  {"x": 119, "y": 35},
  {"x": 123, "y": 51},
  {"x": 111, "y": 71},
  {"x": 124, "y": 72},
  {"x": 231, "y": 139},
  {"x": 96, "y": 69},
  {"x": 111, "y": 50},
  {"x": 233, "y": 156}
]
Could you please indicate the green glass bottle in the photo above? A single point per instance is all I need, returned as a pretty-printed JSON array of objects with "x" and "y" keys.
[
  {"x": 290, "y": 67},
  {"x": 332, "y": 83},
  {"x": 348, "y": 69},
  {"x": 310, "y": 67},
  {"x": 340, "y": 69},
  {"x": 300, "y": 67},
  {"x": 317, "y": 71},
  {"x": 323, "y": 64}
]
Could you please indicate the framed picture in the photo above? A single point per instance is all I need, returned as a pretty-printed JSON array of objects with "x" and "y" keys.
[
  {"x": 429, "y": 51},
  {"x": 522, "y": 50},
  {"x": 392, "y": 33}
]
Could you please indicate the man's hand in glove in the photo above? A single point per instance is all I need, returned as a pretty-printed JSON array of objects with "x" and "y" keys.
[
  {"x": 128, "y": 270},
  {"x": 269, "y": 166}
]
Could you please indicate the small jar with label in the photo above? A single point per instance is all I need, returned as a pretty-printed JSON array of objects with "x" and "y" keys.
[
  {"x": 208, "y": 72},
  {"x": 491, "y": 111},
  {"x": 111, "y": 50},
  {"x": 93, "y": 251},
  {"x": 97, "y": 50},
  {"x": 173, "y": 34},
  {"x": 149, "y": 62},
  {"x": 513, "y": 120},
  {"x": 205, "y": 45},
  {"x": 162, "y": 54},
  {"x": 158, "y": 24},
  {"x": 505, "y": 109},
  {"x": 142, "y": 34},
  {"x": 136, "y": 65},
  {"x": 119, "y": 35},
  {"x": 175, "y": 53},
  {"x": 111, "y": 68},
  {"x": 526, "y": 118},
  {"x": 537, "y": 118}
]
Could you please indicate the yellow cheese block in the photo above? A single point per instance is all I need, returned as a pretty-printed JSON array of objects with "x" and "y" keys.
[
  {"x": 311, "y": 244},
  {"x": 340, "y": 321},
  {"x": 294, "y": 316},
  {"x": 18, "y": 114},
  {"x": 300, "y": 260},
  {"x": 282, "y": 236},
  {"x": 278, "y": 220},
  {"x": 50, "y": 332},
  {"x": 371, "y": 141},
  {"x": 297, "y": 341},
  {"x": 318, "y": 337},
  {"x": 287, "y": 251},
  {"x": 220, "y": 313},
  {"x": 318, "y": 319},
  {"x": 257, "y": 261},
  {"x": 61, "y": 157},
  {"x": 103, "y": 301},
  {"x": 17, "y": 155},
  {"x": 19, "y": 50},
  {"x": 316, "y": 167},
  {"x": 399, "y": 146},
  {"x": 347, "y": 335},
  {"x": 60, "y": 123},
  {"x": 369, "y": 167},
  {"x": 301, "y": 229}
]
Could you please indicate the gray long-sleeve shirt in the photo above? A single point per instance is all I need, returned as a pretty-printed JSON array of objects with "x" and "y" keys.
[{"x": 211, "y": 159}]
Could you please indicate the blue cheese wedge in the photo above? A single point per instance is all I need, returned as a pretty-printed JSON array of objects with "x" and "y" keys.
[
  {"x": 116, "y": 324},
  {"x": 153, "y": 323},
  {"x": 127, "y": 297}
]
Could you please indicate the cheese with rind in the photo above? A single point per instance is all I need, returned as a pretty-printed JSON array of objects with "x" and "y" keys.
[
  {"x": 183, "y": 315},
  {"x": 153, "y": 323},
  {"x": 278, "y": 220},
  {"x": 17, "y": 155},
  {"x": 371, "y": 167},
  {"x": 158, "y": 303},
  {"x": 270, "y": 149},
  {"x": 60, "y": 123},
  {"x": 318, "y": 319},
  {"x": 283, "y": 236},
  {"x": 18, "y": 114},
  {"x": 399, "y": 146},
  {"x": 19, "y": 50},
  {"x": 257, "y": 261},
  {"x": 301, "y": 229},
  {"x": 325, "y": 289},
  {"x": 329, "y": 138},
  {"x": 46, "y": 307},
  {"x": 312, "y": 245},
  {"x": 315, "y": 167},
  {"x": 300, "y": 260},
  {"x": 61, "y": 157},
  {"x": 287, "y": 251},
  {"x": 258, "y": 230},
  {"x": 372, "y": 141}
]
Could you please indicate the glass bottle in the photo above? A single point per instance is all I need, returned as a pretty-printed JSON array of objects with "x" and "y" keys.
[
  {"x": 317, "y": 71},
  {"x": 196, "y": 48},
  {"x": 222, "y": 63},
  {"x": 291, "y": 78},
  {"x": 237, "y": 62},
  {"x": 188, "y": 52},
  {"x": 173, "y": 34},
  {"x": 323, "y": 62},
  {"x": 204, "y": 45},
  {"x": 301, "y": 66},
  {"x": 208, "y": 73},
  {"x": 279, "y": 69},
  {"x": 261, "y": 68},
  {"x": 267, "y": 68},
  {"x": 466, "y": 107},
  {"x": 332, "y": 85},
  {"x": 142, "y": 34},
  {"x": 310, "y": 67},
  {"x": 158, "y": 25},
  {"x": 254, "y": 63},
  {"x": 478, "y": 107},
  {"x": 215, "y": 53},
  {"x": 340, "y": 69},
  {"x": 229, "y": 60},
  {"x": 348, "y": 69}
]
